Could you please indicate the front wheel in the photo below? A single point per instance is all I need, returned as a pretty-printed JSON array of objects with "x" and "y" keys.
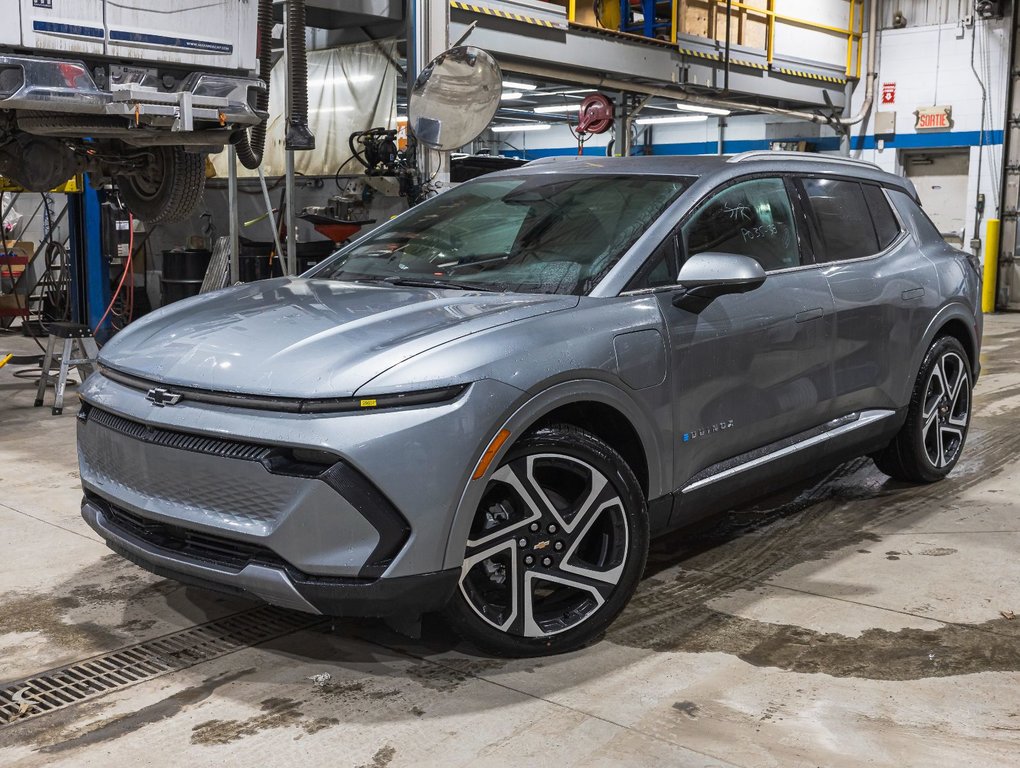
[
  {"x": 932, "y": 438},
  {"x": 556, "y": 547}
]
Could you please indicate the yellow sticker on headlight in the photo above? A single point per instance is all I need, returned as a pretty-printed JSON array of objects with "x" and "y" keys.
[{"x": 368, "y": 403}]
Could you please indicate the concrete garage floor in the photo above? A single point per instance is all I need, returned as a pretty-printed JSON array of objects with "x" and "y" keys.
[{"x": 852, "y": 621}]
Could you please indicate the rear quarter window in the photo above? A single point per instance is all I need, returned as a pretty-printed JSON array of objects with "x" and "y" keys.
[{"x": 886, "y": 226}]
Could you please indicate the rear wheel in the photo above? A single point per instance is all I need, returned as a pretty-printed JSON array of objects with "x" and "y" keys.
[
  {"x": 556, "y": 548},
  {"x": 168, "y": 188},
  {"x": 932, "y": 438}
]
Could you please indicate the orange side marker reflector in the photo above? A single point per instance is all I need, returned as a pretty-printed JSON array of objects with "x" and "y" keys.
[{"x": 490, "y": 453}]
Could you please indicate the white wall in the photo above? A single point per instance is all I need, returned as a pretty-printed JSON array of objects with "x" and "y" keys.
[{"x": 932, "y": 65}]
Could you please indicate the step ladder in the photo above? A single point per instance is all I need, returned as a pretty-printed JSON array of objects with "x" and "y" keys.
[{"x": 79, "y": 350}]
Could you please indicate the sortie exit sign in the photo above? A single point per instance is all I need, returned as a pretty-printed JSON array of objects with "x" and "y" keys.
[{"x": 938, "y": 118}]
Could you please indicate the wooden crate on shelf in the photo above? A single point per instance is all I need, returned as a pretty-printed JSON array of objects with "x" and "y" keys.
[{"x": 707, "y": 18}]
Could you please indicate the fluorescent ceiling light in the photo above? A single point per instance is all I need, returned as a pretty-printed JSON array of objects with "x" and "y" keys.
[
  {"x": 319, "y": 82},
  {"x": 555, "y": 108},
  {"x": 671, "y": 119},
  {"x": 344, "y": 108},
  {"x": 519, "y": 86},
  {"x": 684, "y": 107},
  {"x": 510, "y": 95},
  {"x": 514, "y": 127}
]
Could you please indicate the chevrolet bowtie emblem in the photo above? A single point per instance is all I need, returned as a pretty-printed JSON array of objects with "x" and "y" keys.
[{"x": 160, "y": 397}]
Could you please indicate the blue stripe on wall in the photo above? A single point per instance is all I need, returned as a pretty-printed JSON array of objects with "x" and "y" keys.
[{"x": 826, "y": 144}]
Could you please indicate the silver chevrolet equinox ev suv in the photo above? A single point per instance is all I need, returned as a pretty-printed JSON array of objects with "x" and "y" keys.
[{"x": 488, "y": 405}]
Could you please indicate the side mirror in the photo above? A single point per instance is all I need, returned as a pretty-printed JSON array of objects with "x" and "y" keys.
[{"x": 708, "y": 275}]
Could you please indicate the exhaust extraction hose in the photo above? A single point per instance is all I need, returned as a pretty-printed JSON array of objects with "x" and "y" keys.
[
  {"x": 250, "y": 149},
  {"x": 299, "y": 136}
]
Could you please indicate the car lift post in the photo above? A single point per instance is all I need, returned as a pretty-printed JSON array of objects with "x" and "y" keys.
[{"x": 90, "y": 273}]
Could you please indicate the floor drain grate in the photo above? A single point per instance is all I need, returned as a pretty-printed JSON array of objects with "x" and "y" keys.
[{"x": 71, "y": 684}]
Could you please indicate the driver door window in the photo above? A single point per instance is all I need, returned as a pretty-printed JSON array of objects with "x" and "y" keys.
[{"x": 751, "y": 218}]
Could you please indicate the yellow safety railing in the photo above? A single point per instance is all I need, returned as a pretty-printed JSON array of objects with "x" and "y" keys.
[{"x": 853, "y": 30}]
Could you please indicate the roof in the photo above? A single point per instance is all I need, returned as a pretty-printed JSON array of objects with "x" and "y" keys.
[{"x": 721, "y": 165}]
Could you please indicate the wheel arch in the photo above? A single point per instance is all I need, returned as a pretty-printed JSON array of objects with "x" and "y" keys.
[
  {"x": 609, "y": 425},
  {"x": 959, "y": 330},
  {"x": 954, "y": 320},
  {"x": 595, "y": 406}
]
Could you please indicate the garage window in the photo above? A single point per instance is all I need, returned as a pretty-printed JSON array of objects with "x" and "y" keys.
[
  {"x": 842, "y": 218},
  {"x": 751, "y": 218}
]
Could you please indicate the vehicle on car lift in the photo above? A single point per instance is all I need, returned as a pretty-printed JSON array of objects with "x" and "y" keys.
[
  {"x": 487, "y": 405},
  {"x": 134, "y": 94}
]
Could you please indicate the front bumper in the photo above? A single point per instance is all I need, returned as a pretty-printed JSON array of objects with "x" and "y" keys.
[
  {"x": 219, "y": 494},
  {"x": 56, "y": 85},
  {"x": 264, "y": 579}
]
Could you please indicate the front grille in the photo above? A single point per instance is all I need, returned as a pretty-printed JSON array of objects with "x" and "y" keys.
[
  {"x": 192, "y": 544},
  {"x": 225, "y": 492},
  {"x": 214, "y": 446}
]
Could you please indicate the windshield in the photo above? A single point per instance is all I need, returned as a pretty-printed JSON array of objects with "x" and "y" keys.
[{"x": 547, "y": 233}]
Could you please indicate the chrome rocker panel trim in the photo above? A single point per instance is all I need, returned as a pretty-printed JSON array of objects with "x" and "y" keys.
[{"x": 841, "y": 427}]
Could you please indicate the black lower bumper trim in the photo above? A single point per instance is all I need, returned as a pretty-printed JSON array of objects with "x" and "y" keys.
[
  {"x": 400, "y": 596},
  {"x": 404, "y": 596}
]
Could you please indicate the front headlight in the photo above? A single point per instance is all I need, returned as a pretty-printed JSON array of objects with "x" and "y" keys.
[
  {"x": 378, "y": 402},
  {"x": 168, "y": 394}
]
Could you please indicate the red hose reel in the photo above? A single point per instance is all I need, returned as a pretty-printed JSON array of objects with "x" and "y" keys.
[{"x": 595, "y": 115}]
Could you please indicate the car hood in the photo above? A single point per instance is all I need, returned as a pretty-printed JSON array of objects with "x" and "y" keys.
[{"x": 295, "y": 337}]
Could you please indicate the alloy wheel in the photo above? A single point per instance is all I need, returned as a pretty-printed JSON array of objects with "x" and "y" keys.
[
  {"x": 946, "y": 410},
  {"x": 547, "y": 547}
]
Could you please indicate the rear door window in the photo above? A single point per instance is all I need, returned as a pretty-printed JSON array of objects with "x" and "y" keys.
[
  {"x": 752, "y": 218},
  {"x": 842, "y": 218}
]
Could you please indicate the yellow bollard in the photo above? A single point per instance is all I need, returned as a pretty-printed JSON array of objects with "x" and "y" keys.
[{"x": 991, "y": 266}]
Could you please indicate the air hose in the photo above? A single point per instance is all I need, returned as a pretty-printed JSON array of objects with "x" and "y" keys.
[
  {"x": 299, "y": 136},
  {"x": 250, "y": 149}
]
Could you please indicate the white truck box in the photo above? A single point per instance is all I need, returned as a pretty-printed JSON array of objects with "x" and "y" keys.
[
  {"x": 211, "y": 34},
  {"x": 69, "y": 26},
  {"x": 200, "y": 33},
  {"x": 10, "y": 22}
]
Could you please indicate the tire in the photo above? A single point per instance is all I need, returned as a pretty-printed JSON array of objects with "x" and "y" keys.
[
  {"x": 929, "y": 444},
  {"x": 556, "y": 549},
  {"x": 168, "y": 190}
]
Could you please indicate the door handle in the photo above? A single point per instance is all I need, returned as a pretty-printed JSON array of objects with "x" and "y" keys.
[
  {"x": 809, "y": 314},
  {"x": 913, "y": 293}
]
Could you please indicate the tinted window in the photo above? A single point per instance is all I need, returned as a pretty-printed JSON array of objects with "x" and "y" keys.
[
  {"x": 752, "y": 218},
  {"x": 886, "y": 226},
  {"x": 843, "y": 219},
  {"x": 660, "y": 270},
  {"x": 543, "y": 233}
]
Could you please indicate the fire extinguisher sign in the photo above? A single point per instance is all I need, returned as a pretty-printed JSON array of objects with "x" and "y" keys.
[{"x": 888, "y": 93}]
